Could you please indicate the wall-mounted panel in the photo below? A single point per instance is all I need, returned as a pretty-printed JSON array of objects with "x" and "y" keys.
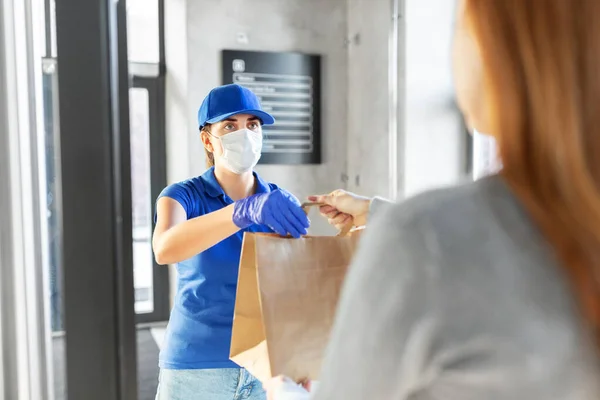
[{"x": 289, "y": 88}]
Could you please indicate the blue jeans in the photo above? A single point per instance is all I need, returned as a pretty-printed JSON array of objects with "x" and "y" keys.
[{"x": 208, "y": 384}]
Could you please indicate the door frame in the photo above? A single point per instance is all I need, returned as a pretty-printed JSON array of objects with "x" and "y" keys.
[
  {"x": 155, "y": 85},
  {"x": 93, "y": 92}
]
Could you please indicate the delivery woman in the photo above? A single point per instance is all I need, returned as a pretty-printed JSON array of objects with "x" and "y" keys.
[{"x": 199, "y": 228}]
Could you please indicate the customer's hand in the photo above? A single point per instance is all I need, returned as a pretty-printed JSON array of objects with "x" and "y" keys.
[
  {"x": 279, "y": 210},
  {"x": 342, "y": 207},
  {"x": 281, "y": 388}
]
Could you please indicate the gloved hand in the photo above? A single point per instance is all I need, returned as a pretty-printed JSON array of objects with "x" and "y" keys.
[{"x": 279, "y": 210}]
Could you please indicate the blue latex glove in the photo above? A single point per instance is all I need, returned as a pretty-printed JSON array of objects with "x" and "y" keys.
[{"x": 279, "y": 210}]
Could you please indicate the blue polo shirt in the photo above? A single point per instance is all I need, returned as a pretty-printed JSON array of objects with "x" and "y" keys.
[{"x": 199, "y": 332}]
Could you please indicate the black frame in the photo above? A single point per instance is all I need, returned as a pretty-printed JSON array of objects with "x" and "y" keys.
[
  {"x": 156, "y": 86},
  {"x": 156, "y": 96},
  {"x": 96, "y": 199},
  {"x": 48, "y": 29}
]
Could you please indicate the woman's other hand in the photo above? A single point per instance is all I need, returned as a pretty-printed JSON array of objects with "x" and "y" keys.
[
  {"x": 341, "y": 207},
  {"x": 283, "y": 388}
]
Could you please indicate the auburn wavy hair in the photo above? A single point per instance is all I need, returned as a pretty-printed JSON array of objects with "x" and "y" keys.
[{"x": 541, "y": 63}]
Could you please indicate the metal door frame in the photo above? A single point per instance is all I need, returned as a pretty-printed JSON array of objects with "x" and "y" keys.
[
  {"x": 25, "y": 370},
  {"x": 155, "y": 85},
  {"x": 96, "y": 199}
]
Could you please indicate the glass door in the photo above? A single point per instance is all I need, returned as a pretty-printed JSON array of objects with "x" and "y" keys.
[
  {"x": 51, "y": 192},
  {"x": 148, "y": 178},
  {"x": 31, "y": 309},
  {"x": 77, "y": 185}
]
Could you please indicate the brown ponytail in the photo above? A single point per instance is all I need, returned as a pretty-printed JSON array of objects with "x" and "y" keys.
[
  {"x": 209, "y": 156},
  {"x": 210, "y": 159}
]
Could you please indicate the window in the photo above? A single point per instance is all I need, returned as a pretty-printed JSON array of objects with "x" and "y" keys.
[
  {"x": 143, "y": 31},
  {"x": 148, "y": 158},
  {"x": 148, "y": 163},
  {"x": 148, "y": 177},
  {"x": 139, "y": 121},
  {"x": 77, "y": 246}
]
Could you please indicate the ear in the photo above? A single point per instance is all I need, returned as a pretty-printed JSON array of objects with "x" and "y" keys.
[{"x": 206, "y": 141}]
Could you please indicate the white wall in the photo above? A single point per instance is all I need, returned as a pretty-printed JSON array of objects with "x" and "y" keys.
[
  {"x": 430, "y": 148},
  {"x": 434, "y": 139},
  {"x": 369, "y": 25}
]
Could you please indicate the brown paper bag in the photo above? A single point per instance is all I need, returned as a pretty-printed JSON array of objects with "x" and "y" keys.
[{"x": 286, "y": 301}]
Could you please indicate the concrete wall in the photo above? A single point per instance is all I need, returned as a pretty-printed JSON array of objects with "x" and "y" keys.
[
  {"x": 369, "y": 101},
  {"x": 430, "y": 146}
]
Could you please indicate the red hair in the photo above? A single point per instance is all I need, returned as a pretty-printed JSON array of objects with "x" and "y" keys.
[{"x": 541, "y": 62}]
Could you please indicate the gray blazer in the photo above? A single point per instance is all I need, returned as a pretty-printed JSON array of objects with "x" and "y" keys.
[{"x": 455, "y": 294}]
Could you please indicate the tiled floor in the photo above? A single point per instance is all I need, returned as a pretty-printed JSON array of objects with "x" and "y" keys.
[
  {"x": 147, "y": 354},
  {"x": 158, "y": 334}
]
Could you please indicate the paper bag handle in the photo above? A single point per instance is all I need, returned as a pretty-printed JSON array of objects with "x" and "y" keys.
[{"x": 345, "y": 231}]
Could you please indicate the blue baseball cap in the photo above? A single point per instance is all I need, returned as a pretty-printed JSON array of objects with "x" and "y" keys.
[{"x": 225, "y": 101}]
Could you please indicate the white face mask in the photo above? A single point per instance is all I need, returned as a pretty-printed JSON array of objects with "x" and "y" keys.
[{"x": 241, "y": 150}]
